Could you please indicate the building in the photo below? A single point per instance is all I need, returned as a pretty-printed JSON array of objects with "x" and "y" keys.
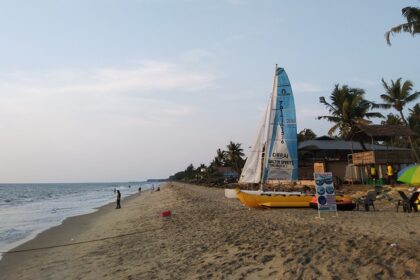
[{"x": 337, "y": 156}]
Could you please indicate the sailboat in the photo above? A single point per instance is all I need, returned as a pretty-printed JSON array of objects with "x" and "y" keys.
[{"x": 274, "y": 155}]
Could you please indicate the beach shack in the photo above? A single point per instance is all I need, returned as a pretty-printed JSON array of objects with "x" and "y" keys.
[
  {"x": 398, "y": 158},
  {"x": 328, "y": 154}
]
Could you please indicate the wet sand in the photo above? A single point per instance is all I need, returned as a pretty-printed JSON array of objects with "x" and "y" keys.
[{"x": 210, "y": 237}]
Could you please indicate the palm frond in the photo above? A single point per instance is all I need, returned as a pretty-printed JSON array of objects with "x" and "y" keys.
[{"x": 412, "y": 97}]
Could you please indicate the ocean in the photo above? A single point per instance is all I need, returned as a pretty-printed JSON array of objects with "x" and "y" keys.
[{"x": 28, "y": 209}]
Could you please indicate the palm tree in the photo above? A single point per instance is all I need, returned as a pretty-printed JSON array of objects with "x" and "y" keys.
[
  {"x": 414, "y": 118},
  {"x": 412, "y": 26},
  {"x": 220, "y": 159},
  {"x": 234, "y": 156},
  {"x": 392, "y": 119},
  {"x": 306, "y": 134},
  {"x": 396, "y": 141},
  {"x": 397, "y": 96},
  {"x": 347, "y": 108},
  {"x": 414, "y": 122}
]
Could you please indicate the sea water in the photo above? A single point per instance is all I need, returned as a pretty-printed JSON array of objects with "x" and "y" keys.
[{"x": 28, "y": 209}]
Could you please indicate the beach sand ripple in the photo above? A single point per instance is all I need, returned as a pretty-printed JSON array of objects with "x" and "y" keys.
[{"x": 210, "y": 237}]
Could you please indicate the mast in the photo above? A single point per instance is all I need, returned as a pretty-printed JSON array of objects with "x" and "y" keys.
[{"x": 267, "y": 141}]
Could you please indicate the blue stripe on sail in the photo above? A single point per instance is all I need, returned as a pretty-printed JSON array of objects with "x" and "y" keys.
[{"x": 285, "y": 116}]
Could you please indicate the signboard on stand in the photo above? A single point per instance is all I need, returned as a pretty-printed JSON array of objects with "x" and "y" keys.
[{"x": 325, "y": 192}]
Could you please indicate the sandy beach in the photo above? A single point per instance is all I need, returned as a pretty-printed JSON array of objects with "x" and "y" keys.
[{"x": 210, "y": 237}]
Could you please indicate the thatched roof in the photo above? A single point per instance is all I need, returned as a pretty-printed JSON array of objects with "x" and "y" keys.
[{"x": 383, "y": 132}]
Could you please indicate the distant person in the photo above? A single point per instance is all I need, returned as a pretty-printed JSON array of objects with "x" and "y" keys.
[
  {"x": 129, "y": 186},
  {"x": 118, "y": 200},
  {"x": 390, "y": 174},
  {"x": 373, "y": 173},
  {"x": 115, "y": 190},
  {"x": 139, "y": 189},
  {"x": 158, "y": 189},
  {"x": 153, "y": 187}
]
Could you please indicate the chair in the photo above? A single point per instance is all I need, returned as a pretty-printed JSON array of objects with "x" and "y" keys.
[
  {"x": 408, "y": 204},
  {"x": 367, "y": 201},
  {"x": 370, "y": 198}
]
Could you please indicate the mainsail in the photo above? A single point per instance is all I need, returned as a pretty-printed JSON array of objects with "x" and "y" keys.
[{"x": 274, "y": 154}]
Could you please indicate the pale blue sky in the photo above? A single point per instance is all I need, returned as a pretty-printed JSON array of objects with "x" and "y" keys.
[{"x": 128, "y": 90}]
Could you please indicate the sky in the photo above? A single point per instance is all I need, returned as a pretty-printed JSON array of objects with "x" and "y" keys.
[{"x": 107, "y": 90}]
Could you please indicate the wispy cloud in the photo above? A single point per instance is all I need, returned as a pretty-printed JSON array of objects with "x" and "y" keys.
[
  {"x": 150, "y": 76},
  {"x": 135, "y": 92}
]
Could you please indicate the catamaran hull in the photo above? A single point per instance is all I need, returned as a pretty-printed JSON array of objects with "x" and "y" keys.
[
  {"x": 275, "y": 200},
  {"x": 231, "y": 193}
]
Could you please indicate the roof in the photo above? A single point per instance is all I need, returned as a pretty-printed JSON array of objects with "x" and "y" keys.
[
  {"x": 383, "y": 132},
  {"x": 341, "y": 145}
]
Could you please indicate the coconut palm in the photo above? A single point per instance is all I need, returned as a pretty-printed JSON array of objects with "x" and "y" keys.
[
  {"x": 396, "y": 141},
  {"x": 414, "y": 122},
  {"x": 220, "y": 159},
  {"x": 412, "y": 26},
  {"x": 414, "y": 118},
  {"x": 392, "y": 119},
  {"x": 347, "y": 108},
  {"x": 306, "y": 134},
  {"x": 397, "y": 96},
  {"x": 234, "y": 156}
]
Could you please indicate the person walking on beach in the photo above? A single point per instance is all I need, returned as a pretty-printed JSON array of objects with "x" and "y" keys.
[{"x": 118, "y": 200}]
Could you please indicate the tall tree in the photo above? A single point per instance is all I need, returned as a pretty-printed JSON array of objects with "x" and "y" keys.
[
  {"x": 412, "y": 26},
  {"x": 414, "y": 122},
  {"x": 396, "y": 141},
  {"x": 306, "y": 134},
  {"x": 397, "y": 96},
  {"x": 347, "y": 108},
  {"x": 392, "y": 119},
  {"x": 234, "y": 156},
  {"x": 414, "y": 118},
  {"x": 220, "y": 159}
]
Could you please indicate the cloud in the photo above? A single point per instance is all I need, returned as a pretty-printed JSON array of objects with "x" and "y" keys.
[
  {"x": 150, "y": 76},
  {"x": 137, "y": 91},
  {"x": 306, "y": 87}
]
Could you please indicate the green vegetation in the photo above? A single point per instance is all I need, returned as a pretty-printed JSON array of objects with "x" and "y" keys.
[
  {"x": 225, "y": 168},
  {"x": 347, "y": 108},
  {"x": 412, "y": 26},
  {"x": 306, "y": 134}
]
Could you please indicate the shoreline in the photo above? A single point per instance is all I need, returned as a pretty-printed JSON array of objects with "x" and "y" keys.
[
  {"x": 210, "y": 237},
  {"x": 84, "y": 209},
  {"x": 61, "y": 233}
]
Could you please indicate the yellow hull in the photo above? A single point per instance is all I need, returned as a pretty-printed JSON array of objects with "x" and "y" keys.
[{"x": 258, "y": 201}]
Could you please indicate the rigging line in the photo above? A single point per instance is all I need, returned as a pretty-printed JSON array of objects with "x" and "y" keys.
[{"x": 78, "y": 243}]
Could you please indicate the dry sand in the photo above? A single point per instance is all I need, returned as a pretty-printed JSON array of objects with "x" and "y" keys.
[{"x": 210, "y": 237}]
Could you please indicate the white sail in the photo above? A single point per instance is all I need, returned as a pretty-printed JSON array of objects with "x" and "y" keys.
[{"x": 252, "y": 171}]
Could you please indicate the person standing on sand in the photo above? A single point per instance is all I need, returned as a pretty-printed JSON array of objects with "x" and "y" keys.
[
  {"x": 118, "y": 200},
  {"x": 390, "y": 174}
]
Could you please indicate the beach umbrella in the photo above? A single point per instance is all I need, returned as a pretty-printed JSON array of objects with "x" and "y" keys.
[
  {"x": 405, "y": 168},
  {"x": 411, "y": 175}
]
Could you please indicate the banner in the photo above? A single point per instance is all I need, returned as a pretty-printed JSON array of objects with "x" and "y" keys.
[{"x": 325, "y": 192}]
